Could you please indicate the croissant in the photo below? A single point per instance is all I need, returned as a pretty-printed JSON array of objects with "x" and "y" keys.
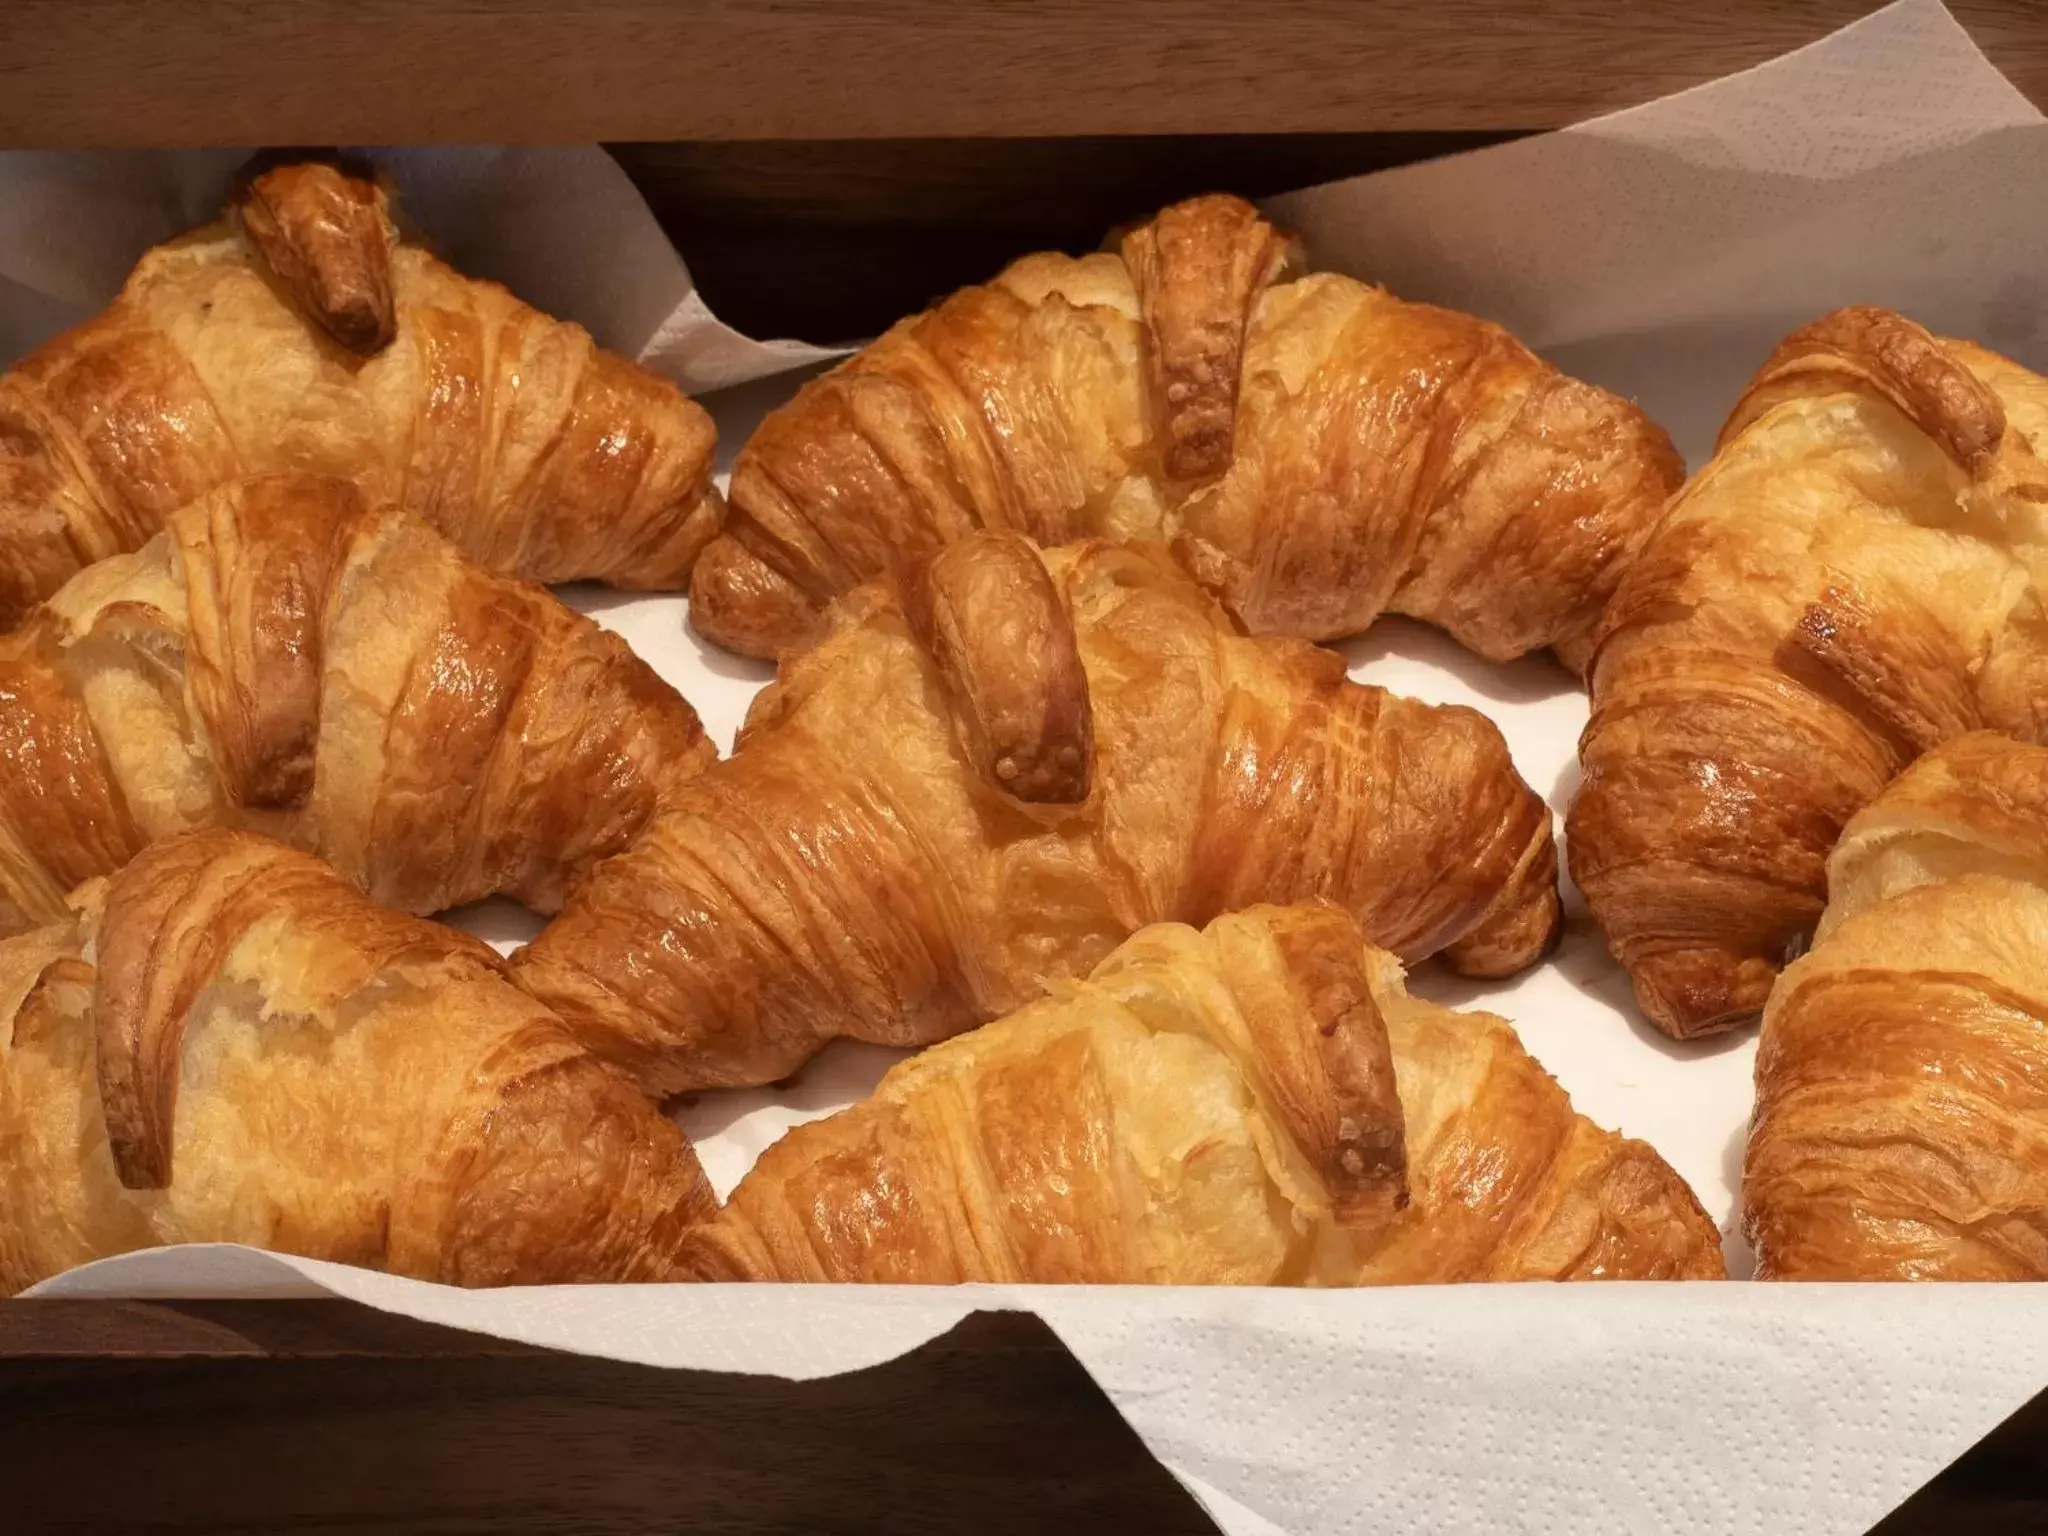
[
  {"x": 1317, "y": 451},
  {"x": 300, "y": 334},
  {"x": 285, "y": 658},
  {"x": 988, "y": 783},
  {"x": 227, "y": 1043},
  {"x": 1259, "y": 1103},
  {"x": 1852, "y": 580},
  {"x": 1901, "y": 1126}
]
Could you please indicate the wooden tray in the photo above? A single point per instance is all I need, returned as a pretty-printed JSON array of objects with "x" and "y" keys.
[{"x": 825, "y": 165}]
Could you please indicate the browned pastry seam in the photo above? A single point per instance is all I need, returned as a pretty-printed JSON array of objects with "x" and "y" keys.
[
  {"x": 1883, "y": 672},
  {"x": 1198, "y": 269},
  {"x": 265, "y": 566},
  {"x": 1366, "y": 1166},
  {"x": 1017, "y": 685}
]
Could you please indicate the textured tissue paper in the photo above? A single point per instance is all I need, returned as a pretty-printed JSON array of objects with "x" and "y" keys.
[{"x": 1660, "y": 251}]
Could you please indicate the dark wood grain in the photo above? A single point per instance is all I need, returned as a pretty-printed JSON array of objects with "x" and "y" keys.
[
  {"x": 1999, "y": 1487},
  {"x": 60, "y": 1329},
  {"x": 270, "y": 1416},
  {"x": 142, "y": 72}
]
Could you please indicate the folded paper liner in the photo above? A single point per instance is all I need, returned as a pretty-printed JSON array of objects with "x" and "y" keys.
[{"x": 1661, "y": 252}]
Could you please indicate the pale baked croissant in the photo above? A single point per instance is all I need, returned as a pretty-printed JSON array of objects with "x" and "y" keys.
[
  {"x": 301, "y": 334},
  {"x": 284, "y": 657},
  {"x": 227, "y": 1043},
  {"x": 969, "y": 792},
  {"x": 1260, "y": 1103},
  {"x": 1317, "y": 451},
  {"x": 1855, "y": 578},
  {"x": 1901, "y": 1128}
]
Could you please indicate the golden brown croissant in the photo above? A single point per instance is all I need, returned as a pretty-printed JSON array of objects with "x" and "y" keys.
[
  {"x": 1260, "y": 1103},
  {"x": 1901, "y": 1128},
  {"x": 1317, "y": 451},
  {"x": 282, "y": 657},
  {"x": 967, "y": 793},
  {"x": 1853, "y": 579},
  {"x": 226, "y": 1043},
  {"x": 301, "y": 334}
]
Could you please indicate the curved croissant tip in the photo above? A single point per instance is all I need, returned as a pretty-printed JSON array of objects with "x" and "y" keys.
[
  {"x": 1693, "y": 993},
  {"x": 741, "y": 603}
]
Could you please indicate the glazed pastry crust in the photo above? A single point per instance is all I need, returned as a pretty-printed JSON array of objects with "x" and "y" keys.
[
  {"x": 226, "y": 1042},
  {"x": 1316, "y": 451},
  {"x": 1855, "y": 578},
  {"x": 1257, "y": 1103},
  {"x": 928, "y": 820},
  {"x": 302, "y": 334},
  {"x": 1901, "y": 1127},
  {"x": 288, "y": 658}
]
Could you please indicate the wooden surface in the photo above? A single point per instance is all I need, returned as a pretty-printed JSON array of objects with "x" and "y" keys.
[
  {"x": 134, "y": 72},
  {"x": 283, "y": 1415},
  {"x": 288, "y": 1415}
]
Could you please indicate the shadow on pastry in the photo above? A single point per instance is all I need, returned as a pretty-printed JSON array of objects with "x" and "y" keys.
[
  {"x": 1581, "y": 959},
  {"x": 720, "y": 662},
  {"x": 1735, "y": 1245},
  {"x": 1569, "y": 777},
  {"x": 498, "y": 920}
]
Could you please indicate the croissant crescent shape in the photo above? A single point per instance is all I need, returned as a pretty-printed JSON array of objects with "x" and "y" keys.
[
  {"x": 1856, "y": 577},
  {"x": 287, "y": 658},
  {"x": 228, "y": 1043},
  {"x": 1317, "y": 452},
  {"x": 985, "y": 785},
  {"x": 300, "y": 333},
  {"x": 1901, "y": 1126},
  {"x": 1258, "y": 1103}
]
